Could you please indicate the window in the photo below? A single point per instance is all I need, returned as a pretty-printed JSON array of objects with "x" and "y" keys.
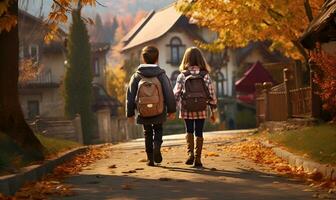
[
  {"x": 173, "y": 77},
  {"x": 34, "y": 53},
  {"x": 96, "y": 68},
  {"x": 176, "y": 51},
  {"x": 33, "y": 109},
  {"x": 221, "y": 84}
]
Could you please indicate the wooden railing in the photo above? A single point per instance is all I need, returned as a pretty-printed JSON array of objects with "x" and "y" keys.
[
  {"x": 301, "y": 101},
  {"x": 282, "y": 102}
]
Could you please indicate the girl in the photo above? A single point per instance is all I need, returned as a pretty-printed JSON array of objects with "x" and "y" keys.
[{"x": 194, "y": 64}]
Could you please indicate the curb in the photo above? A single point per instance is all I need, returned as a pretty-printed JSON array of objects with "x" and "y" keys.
[
  {"x": 10, "y": 184},
  {"x": 328, "y": 172}
]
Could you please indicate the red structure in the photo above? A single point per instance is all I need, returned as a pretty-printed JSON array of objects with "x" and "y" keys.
[{"x": 245, "y": 86}]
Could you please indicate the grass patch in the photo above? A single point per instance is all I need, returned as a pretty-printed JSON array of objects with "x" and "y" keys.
[
  {"x": 12, "y": 157},
  {"x": 317, "y": 142},
  {"x": 54, "y": 145}
]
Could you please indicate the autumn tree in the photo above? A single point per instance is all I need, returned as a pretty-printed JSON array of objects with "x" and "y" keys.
[
  {"x": 78, "y": 77},
  {"x": 116, "y": 84},
  {"x": 12, "y": 122},
  {"x": 241, "y": 21},
  {"x": 326, "y": 79}
]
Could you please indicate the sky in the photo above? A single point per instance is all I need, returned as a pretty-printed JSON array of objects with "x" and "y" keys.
[{"x": 112, "y": 7}]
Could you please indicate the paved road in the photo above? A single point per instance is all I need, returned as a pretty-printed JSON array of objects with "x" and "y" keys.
[{"x": 224, "y": 177}]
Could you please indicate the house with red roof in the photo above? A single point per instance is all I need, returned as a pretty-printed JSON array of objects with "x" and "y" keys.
[{"x": 245, "y": 86}]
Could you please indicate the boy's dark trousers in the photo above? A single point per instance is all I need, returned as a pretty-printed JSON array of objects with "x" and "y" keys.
[{"x": 153, "y": 139}]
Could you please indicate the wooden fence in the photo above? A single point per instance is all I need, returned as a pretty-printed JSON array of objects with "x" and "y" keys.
[{"x": 282, "y": 102}]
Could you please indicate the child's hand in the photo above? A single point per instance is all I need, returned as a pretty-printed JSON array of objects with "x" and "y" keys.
[
  {"x": 213, "y": 117},
  {"x": 131, "y": 120},
  {"x": 171, "y": 116}
]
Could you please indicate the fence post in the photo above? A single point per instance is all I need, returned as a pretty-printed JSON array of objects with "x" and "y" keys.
[
  {"x": 315, "y": 98},
  {"x": 78, "y": 127},
  {"x": 267, "y": 88},
  {"x": 258, "y": 87},
  {"x": 286, "y": 75}
]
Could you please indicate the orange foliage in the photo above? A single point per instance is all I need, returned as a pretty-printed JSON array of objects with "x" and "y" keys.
[
  {"x": 52, "y": 184},
  {"x": 28, "y": 71},
  {"x": 326, "y": 79},
  {"x": 255, "y": 151},
  {"x": 240, "y": 21}
]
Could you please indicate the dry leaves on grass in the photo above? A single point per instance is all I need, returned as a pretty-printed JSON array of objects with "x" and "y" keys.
[
  {"x": 51, "y": 184},
  {"x": 260, "y": 154}
]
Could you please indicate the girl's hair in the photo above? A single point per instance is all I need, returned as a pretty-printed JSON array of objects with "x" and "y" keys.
[{"x": 194, "y": 57}]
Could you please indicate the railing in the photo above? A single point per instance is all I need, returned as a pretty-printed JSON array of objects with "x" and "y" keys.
[
  {"x": 301, "y": 101},
  {"x": 42, "y": 77},
  {"x": 280, "y": 103}
]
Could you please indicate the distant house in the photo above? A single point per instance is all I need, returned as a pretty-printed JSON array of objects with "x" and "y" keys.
[
  {"x": 172, "y": 33},
  {"x": 43, "y": 96},
  {"x": 273, "y": 62},
  {"x": 245, "y": 86},
  {"x": 322, "y": 29}
]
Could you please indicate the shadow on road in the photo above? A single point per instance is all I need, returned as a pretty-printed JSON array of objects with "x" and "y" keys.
[{"x": 221, "y": 184}]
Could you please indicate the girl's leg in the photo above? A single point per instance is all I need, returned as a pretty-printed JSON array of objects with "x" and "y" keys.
[
  {"x": 199, "y": 125},
  {"x": 189, "y": 124}
]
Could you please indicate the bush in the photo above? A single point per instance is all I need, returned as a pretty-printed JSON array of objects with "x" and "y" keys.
[{"x": 326, "y": 79}]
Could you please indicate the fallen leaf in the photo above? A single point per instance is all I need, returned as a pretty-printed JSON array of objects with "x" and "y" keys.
[{"x": 112, "y": 166}]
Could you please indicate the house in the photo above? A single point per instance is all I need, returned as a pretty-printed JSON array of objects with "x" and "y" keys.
[
  {"x": 245, "y": 87},
  {"x": 322, "y": 29},
  {"x": 274, "y": 62},
  {"x": 43, "y": 96},
  {"x": 172, "y": 33}
]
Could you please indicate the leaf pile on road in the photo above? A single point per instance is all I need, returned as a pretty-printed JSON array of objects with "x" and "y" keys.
[
  {"x": 51, "y": 185},
  {"x": 254, "y": 150}
]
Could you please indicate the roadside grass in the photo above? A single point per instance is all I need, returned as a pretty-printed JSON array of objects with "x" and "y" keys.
[
  {"x": 317, "y": 143},
  {"x": 12, "y": 157}
]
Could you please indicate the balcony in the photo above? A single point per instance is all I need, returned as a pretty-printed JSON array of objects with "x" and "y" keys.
[{"x": 43, "y": 80}]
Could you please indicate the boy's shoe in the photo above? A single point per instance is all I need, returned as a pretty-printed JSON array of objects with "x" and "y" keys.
[
  {"x": 157, "y": 153},
  {"x": 150, "y": 159},
  {"x": 190, "y": 149},
  {"x": 198, "y": 151}
]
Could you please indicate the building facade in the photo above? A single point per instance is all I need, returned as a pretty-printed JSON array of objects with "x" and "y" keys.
[{"x": 43, "y": 96}]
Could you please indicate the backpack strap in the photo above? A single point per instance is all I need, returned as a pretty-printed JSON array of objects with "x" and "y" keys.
[
  {"x": 186, "y": 73},
  {"x": 202, "y": 73}
]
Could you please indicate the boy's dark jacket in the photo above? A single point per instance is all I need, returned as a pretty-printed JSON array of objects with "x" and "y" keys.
[{"x": 148, "y": 70}]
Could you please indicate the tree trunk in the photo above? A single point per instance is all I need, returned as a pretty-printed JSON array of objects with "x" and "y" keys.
[{"x": 12, "y": 122}]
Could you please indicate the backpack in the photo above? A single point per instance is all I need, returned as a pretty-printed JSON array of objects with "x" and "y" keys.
[
  {"x": 196, "y": 95},
  {"x": 149, "y": 98}
]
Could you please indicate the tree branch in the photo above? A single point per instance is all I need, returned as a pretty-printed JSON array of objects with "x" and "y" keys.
[
  {"x": 100, "y": 4},
  {"x": 308, "y": 10},
  {"x": 302, "y": 50}
]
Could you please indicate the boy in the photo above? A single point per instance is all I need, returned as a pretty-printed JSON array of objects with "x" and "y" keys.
[{"x": 151, "y": 94}]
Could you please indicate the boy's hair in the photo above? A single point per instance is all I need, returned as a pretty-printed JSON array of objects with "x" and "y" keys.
[{"x": 150, "y": 54}]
